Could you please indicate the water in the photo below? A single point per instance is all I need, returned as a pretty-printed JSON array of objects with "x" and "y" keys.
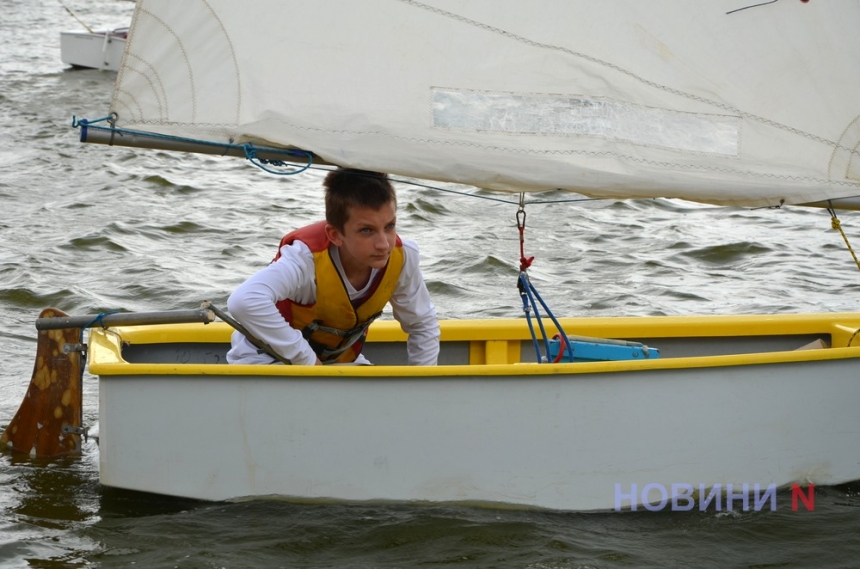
[{"x": 89, "y": 228}]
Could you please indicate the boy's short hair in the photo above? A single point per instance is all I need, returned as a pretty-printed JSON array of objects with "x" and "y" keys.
[{"x": 347, "y": 187}]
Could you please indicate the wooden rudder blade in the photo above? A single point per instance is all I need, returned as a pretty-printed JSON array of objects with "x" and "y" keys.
[{"x": 48, "y": 422}]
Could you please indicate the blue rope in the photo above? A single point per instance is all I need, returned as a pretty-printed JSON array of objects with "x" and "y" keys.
[
  {"x": 84, "y": 122},
  {"x": 527, "y": 309},
  {"x": 96, "y": 320},
  {"x": 251, "y": 155},
  {"x": 555, "y": 321},
  {"x": 528, "y": 293}
]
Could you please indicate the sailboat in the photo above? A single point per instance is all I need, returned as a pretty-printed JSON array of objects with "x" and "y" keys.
[
  {"x": 725, "y": 103},
  {"x": 101, "y": 49},
  {"x": 93, "y": 49}
]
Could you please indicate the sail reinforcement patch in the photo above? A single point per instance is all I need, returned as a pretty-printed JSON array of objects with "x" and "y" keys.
[{"x": 576, "y": 115}]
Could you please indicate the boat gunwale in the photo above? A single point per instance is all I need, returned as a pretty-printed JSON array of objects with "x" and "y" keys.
[{"x": 105, "y": 352}]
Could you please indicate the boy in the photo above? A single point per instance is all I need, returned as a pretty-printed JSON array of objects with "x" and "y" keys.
[{"x": 313, "y": 303}]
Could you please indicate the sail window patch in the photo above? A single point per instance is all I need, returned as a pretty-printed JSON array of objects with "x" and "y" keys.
[{"x": 575, "y": 115}]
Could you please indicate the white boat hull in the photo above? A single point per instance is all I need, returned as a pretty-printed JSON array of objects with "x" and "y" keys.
[
  {"x": 101, "y": 50},
  {"x": 581, "y": 436}
]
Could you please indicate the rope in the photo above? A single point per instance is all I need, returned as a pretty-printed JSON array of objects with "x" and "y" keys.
[
  {"x": 72, "y": 14},
  {"x": 489, "y": 198},
  {"x": 752, "y": 6},
  {"x": 111, "y": 118},
  {"x": 251, "y": 155},
  {"x": 529, "y": 295},
  {"x": 97, "y": 320},
  {"x": 837, "y": 225},
  {"x": 527, "y": 310}
]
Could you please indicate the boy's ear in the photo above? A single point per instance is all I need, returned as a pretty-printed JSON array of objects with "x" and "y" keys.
[{"x": 333, "y": 235}]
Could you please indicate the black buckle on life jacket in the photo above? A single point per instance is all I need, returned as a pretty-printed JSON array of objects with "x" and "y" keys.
[{"x": 350, "y": 337}]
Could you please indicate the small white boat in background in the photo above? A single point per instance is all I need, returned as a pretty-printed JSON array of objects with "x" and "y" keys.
[{"x": 97, "y": 50}]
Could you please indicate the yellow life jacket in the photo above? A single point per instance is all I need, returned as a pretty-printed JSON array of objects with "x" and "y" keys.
[{"x": 334, "y": 326}]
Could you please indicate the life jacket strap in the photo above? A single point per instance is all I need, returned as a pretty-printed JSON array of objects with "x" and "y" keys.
[{"x": 350, "y": 337}]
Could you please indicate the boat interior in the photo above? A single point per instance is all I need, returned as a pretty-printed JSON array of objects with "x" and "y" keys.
[{"x": 487, "y": 342}]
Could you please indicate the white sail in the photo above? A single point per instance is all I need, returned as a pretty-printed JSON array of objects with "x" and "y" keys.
[{"x": 621, "y": 98}]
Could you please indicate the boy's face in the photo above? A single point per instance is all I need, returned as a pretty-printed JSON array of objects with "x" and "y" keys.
[{"x": 368, "y": 237}]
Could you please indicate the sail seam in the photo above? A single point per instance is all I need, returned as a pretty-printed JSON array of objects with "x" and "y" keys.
[
  {"x": 184, "y": 57},
  {"x": 233, "y": 58},
  {"x": 832, "y": 166},
  {"x": 160, "y": 92},
  {"x": 123, "y": 102}
]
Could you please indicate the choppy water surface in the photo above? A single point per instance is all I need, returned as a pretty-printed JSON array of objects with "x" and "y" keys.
[{"x": 88, "y": 228}]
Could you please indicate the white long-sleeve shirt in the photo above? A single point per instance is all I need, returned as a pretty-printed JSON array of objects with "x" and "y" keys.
[{"x": 292, "y": 277}]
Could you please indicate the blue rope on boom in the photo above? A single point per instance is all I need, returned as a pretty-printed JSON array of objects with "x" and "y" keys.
[
  {"x": 84, "y": 122},
  {"x": 251, "y": 155},
  {"x": 97, "y": 320}
]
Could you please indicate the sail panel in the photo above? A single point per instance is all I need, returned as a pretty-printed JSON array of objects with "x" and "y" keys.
[
  {"x": 567, "y": 115},
  {"x": 623, "y": 99}
]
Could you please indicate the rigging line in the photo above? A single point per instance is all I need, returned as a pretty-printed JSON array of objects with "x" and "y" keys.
[
  {"x": 251, "y": 156},
  {"x": 97, "y": 320},
  {"x": 528, "y": 294},
  {"x": 111, "y": 118},
  {"x": 72, "y": 14},
  {"x": 469, "y": 195},
  {"x": 837, "y": 225},
  {"x": 752, "y": 6},
  {"x": 523, "y": 284},
  {"x": 490, "y": 198}
]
